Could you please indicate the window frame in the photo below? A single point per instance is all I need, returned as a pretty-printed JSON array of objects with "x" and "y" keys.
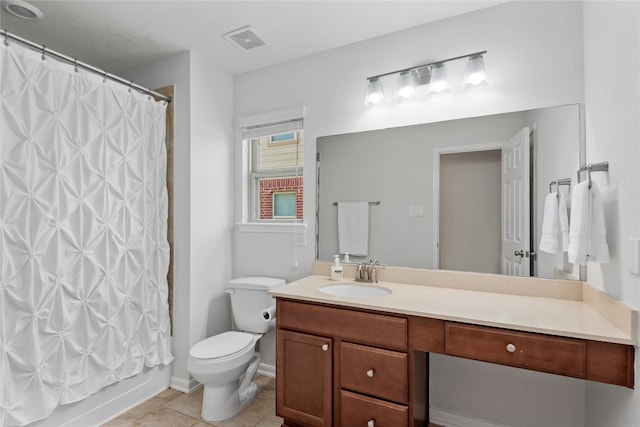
[
  {"x": 255, "y": 175},
  {"x": 255, "y": 126}
]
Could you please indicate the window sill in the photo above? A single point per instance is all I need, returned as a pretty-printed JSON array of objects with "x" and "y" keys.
[{"x": 276, "y": 227}]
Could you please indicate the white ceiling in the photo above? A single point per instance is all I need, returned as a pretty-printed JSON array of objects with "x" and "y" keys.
[{"x": 117, "y": 35}]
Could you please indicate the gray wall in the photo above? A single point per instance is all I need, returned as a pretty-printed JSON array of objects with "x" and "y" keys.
[{"x": 471, "y": 211}]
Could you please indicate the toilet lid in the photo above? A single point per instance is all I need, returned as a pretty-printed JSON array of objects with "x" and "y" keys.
[{"x": 221, "y": 345}]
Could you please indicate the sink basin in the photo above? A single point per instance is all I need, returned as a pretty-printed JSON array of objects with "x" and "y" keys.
[{"x": 350, "y": 289}]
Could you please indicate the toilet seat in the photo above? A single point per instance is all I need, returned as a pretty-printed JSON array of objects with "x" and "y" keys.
[{"x": 223, "y": 345}]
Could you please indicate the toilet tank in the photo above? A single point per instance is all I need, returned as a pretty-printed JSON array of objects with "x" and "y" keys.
[{"x": 248, "y": 299}]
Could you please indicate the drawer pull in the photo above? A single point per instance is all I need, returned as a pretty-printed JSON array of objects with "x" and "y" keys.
[
  {"x": 370, "y": 373},
  {"x": 325, "y": 347},
  {"x": 371, "y": 423},
  {"x": 511, "y": 348}
]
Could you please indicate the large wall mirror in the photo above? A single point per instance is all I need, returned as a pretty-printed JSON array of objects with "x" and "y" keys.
[{"x": 440, "y": 188}]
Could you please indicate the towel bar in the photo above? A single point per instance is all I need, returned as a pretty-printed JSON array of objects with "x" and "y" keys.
[
  {"x": 593, "y": 167},
  {"x": 376, "y": 203},
  {"x": 558, "y": 183}
]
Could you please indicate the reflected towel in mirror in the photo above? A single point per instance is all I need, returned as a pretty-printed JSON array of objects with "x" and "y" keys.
[
  {"x": 549, "y": 238},
  {"x": 353, "y": 228},
  {"x": 555, "y": 223}
]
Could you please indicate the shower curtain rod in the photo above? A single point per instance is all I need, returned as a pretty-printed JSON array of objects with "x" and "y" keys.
[{"x": 78, "y": 64}]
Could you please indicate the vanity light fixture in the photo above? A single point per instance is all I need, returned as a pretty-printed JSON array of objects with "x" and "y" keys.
[
  {"x": 439, "y": 81},
  {"x": 475, "y": 74},
  {"x": 405, "y": 87},
  {"x": 375, "y": 92},
  {"x": 433, "y": 74}
]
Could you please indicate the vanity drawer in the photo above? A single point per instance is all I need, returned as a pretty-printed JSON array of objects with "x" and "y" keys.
[
  {"x": 373, "y": 371},
  {"x": 363, "y": 411},
  {"x": 563, "y": 356},
  {"x": 366, "y": 328}
]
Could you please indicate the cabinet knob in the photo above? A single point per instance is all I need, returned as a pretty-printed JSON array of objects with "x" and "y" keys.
[
  {"x": 371, "y": 423},
  {"x": 511, "y": 348},
  {"x": 325, "y": 347},
  {"x": 370, "y": 373}
]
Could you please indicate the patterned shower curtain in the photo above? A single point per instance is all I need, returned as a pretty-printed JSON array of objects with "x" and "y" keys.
[{"x": 83, "y": 234}]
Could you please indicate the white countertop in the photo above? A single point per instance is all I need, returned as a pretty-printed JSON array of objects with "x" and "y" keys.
[{"x": 567, "y": 317}]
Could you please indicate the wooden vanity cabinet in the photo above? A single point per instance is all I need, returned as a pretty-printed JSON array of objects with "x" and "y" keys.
[
  {"x": 366, "y": 373},
  {"x": 346, "y": 367}
]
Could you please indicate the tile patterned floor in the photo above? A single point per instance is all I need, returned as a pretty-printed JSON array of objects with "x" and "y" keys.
[{"x": 172, "y": 408}]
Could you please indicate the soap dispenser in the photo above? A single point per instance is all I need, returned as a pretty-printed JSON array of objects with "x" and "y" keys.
[{"x": 336, "y": 268}]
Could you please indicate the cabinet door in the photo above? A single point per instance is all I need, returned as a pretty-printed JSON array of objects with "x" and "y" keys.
[{"x": 303, "y": 378}]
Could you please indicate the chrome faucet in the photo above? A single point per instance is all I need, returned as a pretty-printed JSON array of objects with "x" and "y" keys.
[{"x": 367, "y": 271}]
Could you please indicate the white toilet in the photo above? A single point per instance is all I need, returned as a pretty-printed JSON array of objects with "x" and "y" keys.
[{"x": 226, "y": 363}]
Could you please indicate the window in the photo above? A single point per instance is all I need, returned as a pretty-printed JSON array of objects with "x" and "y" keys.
[
  {"x": 285, "y": 204},
  {"x": 275, "y": 162},
  {"x": 284, "y": 138}
]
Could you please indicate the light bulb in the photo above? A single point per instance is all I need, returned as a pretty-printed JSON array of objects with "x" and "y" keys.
[
  {"x": 375, "y": 92},
  {"x": 475, "y": 74},
  {"x": 405, "y": 86},
  {"x": 439, "y": 81}
]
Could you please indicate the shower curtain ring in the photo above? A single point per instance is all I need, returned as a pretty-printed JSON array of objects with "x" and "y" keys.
[
  {"x": 130, "y": 85},
  {"x": 104, "y": 77},
  {"x": 6, "y": 39},
  {"x": 44, "y": 51},
  {"x": 75, "y": 65}
]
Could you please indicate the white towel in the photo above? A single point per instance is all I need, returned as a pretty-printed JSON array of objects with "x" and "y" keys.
[
  {"x": 587, "y": 233},
  {"x": 554, "y": 220},
  {"x": 579, "y": 224},
  {"x": 549, "y": 238},
  {"x": 598, "y": 248},
  {"x": 353, "y": 228},
  {"x": 563, "y": 222}
]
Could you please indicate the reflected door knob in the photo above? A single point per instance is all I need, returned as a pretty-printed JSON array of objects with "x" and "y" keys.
[{"x": 518, "y": 253}]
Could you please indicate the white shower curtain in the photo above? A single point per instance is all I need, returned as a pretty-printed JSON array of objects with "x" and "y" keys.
[{"x": 83, "y": 234}]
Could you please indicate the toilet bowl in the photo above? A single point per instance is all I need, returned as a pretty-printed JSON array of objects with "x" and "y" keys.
[
  {"x": 226, "y": 363},
  {"x": 221, "y": 363}
]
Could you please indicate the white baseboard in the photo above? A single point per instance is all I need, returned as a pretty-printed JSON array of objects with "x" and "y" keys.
[
  {"x": 267, "y": 370},
  {"x": 183, "y": 385},
  {"x": 451, "y": 419}
]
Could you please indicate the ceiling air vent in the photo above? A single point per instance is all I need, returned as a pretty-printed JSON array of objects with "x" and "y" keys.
[{"x": 245, "y": 38}]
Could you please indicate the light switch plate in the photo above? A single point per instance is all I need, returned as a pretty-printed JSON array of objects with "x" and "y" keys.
[{"x": 416, "y": 211}]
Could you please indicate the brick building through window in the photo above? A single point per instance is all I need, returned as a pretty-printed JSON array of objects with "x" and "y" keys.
[{"x": 271, "y": 187}]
